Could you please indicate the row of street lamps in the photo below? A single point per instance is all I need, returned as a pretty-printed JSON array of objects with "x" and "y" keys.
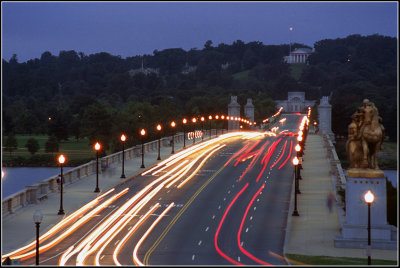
[{"x": 297, "y": 160}]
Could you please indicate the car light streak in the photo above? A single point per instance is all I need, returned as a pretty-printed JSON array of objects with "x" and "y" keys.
[
  {"x": 267, "y": 157},
  {"x": 283, "y": 152},
  {"x": 254, "y": 160},
  {"x": 237, "y": 153},
  {"x": 189, "y": 166},
  {"x": 173, "y": 159},
  {"x": 135, "y": 258},
  {"x": 100, "y": 229},
  {"x": 219, "y": 228},
  {"x": 81, "y": 221},
  {"x": 246, "y": 153},
  {"x": 56, "y": 228},
  {"x": 129, "y": 234},
  {"x": 117, "y": 228},
  {"x": 100, "y": 233},
  {"x": 200, "y": 165},
  {"x": 241, "y": 227},
  {"x": 290, "y": 153}
]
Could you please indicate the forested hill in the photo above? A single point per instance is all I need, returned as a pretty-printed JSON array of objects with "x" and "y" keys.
[{"x": 80, "y": 95}]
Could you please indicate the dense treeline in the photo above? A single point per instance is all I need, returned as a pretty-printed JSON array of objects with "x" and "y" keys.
[{"x": 97, "y": 96}]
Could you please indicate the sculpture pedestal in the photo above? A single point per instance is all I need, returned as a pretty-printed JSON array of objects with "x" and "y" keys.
[{"x": 355, "y": 228}]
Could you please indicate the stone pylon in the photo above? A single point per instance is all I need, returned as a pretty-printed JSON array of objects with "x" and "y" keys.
[
  {"x": 325, "y": 117},
  {"x": 233, "y": 110},
  {"x": 249, "y": 110}
]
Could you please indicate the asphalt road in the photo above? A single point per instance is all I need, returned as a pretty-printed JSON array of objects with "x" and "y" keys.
[{"x": 229, "y": 208}]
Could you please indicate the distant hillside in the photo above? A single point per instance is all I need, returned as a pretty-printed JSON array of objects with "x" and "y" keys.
[{"x": 73, "y": 89}]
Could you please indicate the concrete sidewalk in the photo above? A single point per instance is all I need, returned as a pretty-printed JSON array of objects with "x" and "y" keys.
[
  {"x": 312, "y": 233},
  {"x": 19, "y": 229}
]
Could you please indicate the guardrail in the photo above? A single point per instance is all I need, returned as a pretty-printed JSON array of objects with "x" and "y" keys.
[
  {"x": 39, "y": 191},
  {"x": 336, "y": 167}
]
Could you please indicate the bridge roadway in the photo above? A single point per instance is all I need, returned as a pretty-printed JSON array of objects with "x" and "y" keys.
[{"x": 232, "y": 210}]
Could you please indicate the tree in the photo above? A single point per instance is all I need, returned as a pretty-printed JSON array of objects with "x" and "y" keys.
[
  {"x": 11, "y": 143},
  {"x": 32, "y": 145},
  {"x": 51, "y": 145}
]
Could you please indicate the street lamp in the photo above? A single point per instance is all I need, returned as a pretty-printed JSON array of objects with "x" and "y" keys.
[
  {"x": 61, "y": 160},
  {"x": 142, "y": 133},
  {"x": 123, "y": 139},
  {"x": 194, "y": 120},
  {"x": 173, "y": 124},
  {"x": 184, "y": 121},
  {"x": 159, "y": 140},
  {"x": 210, "y": 118},
  {"x": 202, "y": 132},
  {"x": 295, "y": 163},
  {"x": 37, "y": 218},
  {"x": 369, "y": 198},
  {"x": 97, "y": 147},
  {"x": 298, "y": 151}
]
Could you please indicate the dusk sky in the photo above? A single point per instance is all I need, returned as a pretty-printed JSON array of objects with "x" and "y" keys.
[{"x": 136, "y": 28}]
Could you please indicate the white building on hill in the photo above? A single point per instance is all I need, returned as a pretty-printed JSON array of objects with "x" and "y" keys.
[{"x": 299, "y": 55}]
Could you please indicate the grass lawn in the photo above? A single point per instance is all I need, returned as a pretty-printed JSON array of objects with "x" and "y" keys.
[
  {"x": 328, "y": 260},
  {"x": 74, "y": 150},
  {"x": 296, "y": 70},
  {"x": 241, "y": 75}
]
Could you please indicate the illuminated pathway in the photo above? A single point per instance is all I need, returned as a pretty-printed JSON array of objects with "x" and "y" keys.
[{"x": 220, "y": 202}]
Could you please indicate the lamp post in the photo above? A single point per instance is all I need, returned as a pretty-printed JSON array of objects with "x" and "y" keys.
[
  {"x": 369, "y": 198},
  {"x": 194, "y": 120},
  {"x": 295, "y": 163},
  {"x": 223, "y": 120},
  {"x": 37, "y": 218},
  {"x": 159, "y": 140},
  {"x": 216, "y": 125},
  {"x": 210, "y": 118},
  {"x": 184, "y": 121},
  {"x": 173, "y": 124},
  {"x": 61, "y": 160},
  {"x": 142, "y": 133},
  {"x": 202, "y": 131},
  {"x": 123, "y": 139},
  {"x": 97, "y": 147}
]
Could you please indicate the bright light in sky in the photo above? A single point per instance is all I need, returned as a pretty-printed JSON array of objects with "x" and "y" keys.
[{"x": 135, "y": 28}]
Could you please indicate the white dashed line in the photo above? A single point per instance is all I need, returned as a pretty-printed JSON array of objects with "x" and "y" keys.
[
  {"x": 116, "y": 242},
  {"x": 193, "y": 257},
  {"x": 238, "y": 258},
  {"x": 213, "y": 217},
  {"x": 207, "y": 228},
  {"x": 102, "y": 257},
  {"x": 251, "y": 217},
  {"x": 247, "y": 229},
  {"x": 254, "y": 208},
  {"x": 199, "y": 242}
]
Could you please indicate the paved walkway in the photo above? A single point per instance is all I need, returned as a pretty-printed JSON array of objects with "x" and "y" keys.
[{"x": 313, "y": 231}]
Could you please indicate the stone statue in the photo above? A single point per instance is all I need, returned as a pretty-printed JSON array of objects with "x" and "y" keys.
[{"x": 365, "y": 137}]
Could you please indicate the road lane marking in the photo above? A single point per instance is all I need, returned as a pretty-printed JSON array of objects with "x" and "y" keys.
[
  {"x": 193, "y": 257},
  {"x": 199, "y": 242},
  {"x": 207, "y": 228}
]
